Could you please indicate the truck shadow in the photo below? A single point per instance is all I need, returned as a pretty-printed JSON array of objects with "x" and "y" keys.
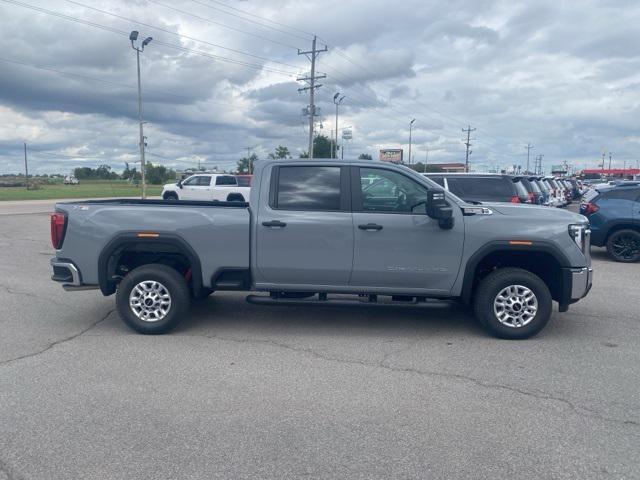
[{"x": 229, "y": 312}]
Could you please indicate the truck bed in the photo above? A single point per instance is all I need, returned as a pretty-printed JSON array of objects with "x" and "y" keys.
[{"x": 217, "y": 233}]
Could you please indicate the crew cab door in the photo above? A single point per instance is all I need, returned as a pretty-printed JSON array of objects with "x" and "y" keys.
[
  {"x": 396, "y": 245},
  {"x": 225, "y": 184},
  {"x": 304, "y": 232},
  {"x": 197, "y": 187}
]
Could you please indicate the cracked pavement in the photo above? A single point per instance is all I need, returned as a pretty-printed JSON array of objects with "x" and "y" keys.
[{"x": 246, "y": 391}]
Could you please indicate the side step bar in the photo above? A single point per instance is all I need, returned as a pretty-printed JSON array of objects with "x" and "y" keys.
[{"x": 322, "y": 299}]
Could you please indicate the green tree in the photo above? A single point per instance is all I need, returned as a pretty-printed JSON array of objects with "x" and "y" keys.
[
  {"x": 245, "y": 164},
  {"x": 365, "y": 156},
  {"x": 322, "y": 147},
  {"x": 158, "y": 174},
  {"x": 280, "y": 152}
]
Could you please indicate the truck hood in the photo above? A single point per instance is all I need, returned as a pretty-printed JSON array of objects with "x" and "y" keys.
[
  {"x": 536, "y": 212},
  {"x": 170, "y": 186}
]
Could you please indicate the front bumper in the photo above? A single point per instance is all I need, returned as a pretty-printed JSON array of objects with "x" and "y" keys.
[{"x": 581, "y": 280}]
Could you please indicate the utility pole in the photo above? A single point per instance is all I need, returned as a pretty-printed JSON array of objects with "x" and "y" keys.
[
  {"x": 249, "y": 161},
  {"x": 133, "y": 37},
  {"x": 603, "y": 161},
  {"x": 468, "y": 131},
  {"x": 538, "y": 168},
  {"x": 311, "y": 79},
  {"x": 610, "y": 162},
  {"x": 337, "y": 102},
  {"x": 26, "y": 167},
  {"x": 528, "y": 147},
  {"x": 410, "y": 126}
]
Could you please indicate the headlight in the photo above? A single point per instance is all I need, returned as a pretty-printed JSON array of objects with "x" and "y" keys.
[{"x": 579, "y": 234}]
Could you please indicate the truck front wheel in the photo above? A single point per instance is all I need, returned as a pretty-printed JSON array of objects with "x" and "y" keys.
[
  {"x": 170, "y": 196},
  {"x": 152, "y": 299},
  {"x": 512, "y": 303}
]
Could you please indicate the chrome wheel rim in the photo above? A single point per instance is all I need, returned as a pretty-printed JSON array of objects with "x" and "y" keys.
[
  {"x": 515, "y": 306},
  {"x": 150, "y": 301}
]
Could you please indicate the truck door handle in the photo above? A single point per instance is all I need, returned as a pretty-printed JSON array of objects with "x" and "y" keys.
[
  {"x": 370, "y": 226},
  {"x": 274, "y": 223}
]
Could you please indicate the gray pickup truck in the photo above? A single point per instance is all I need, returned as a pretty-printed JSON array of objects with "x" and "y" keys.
[{"x": 319, "y": 231}]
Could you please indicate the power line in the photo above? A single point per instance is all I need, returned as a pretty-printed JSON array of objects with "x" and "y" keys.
[
  {"x": 170, "y": 45},
  {"x": 249, "y": 20},
  {"x": 164, "y": 30},
  {"x": 263, "y": 18},
  {"x": 223, "y": 25},
  {"x": 108, "y": 82}
]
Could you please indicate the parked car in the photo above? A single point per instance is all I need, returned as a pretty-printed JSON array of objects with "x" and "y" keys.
[
  {"x": 614, "y": 216},
  {"x": 316, "y": 228},
  {"x": 71, "y": 180},
  {"x": 547, "y": 197},
  {"x": 557, "y": 191},
  {"x": 482, "y": 187},
  {"x": 207, "y": 187},
  {"x": 244, "y": 180},
  {"x": 533, "y": 191}
]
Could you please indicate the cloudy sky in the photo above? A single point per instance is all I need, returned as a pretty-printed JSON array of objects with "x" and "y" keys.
[{"x": 220, "y": 76}]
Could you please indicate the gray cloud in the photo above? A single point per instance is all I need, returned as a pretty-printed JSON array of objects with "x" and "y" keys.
[{"x": 561, "y": 75}]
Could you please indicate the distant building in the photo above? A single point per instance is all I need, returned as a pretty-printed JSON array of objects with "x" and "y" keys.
[
  {"x": 448, "y": 167},
  {"x": 613, "y": 172}
]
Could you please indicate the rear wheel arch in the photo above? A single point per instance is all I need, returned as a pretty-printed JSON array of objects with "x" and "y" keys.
[
  {"x": 235, "y": 197},
  {"x": 175, "y": 250},
  {"x": 622, "y": 225}
]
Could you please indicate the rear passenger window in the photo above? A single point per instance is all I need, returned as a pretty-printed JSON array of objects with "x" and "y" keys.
[
  {"x": 226, "y": 180},
  {"x": 622, "y": 193},
  {"x": 480, "y": 187},
  {"x": 308, "y": 188}
]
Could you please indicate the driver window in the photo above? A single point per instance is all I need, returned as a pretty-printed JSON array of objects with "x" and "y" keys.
[
  {"x": 389, "y": 191},
  {"x": 191, "y": 181}
]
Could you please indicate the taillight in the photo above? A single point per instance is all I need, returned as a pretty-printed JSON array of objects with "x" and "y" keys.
[
  {"x": 515, "y": 199},
  {"x": 58, "y": 227},
  {"x": 590, "y": 208}
]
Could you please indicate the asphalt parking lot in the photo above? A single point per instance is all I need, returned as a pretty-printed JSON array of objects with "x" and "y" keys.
[{"x": 243, "y": 391}]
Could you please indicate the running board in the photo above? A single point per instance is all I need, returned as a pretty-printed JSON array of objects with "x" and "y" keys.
[{"x": 322, "y": 299}]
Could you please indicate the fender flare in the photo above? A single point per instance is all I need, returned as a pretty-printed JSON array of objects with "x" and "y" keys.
[
  {"x": 108, "y": 287},
  {"x": 504, "y": 245}
]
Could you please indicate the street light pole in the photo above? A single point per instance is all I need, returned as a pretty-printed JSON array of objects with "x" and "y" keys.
[
  {"x": 410, "y": 127},
  {"x": 133, "y": 37},
  {"x": 337, "y": 102}
]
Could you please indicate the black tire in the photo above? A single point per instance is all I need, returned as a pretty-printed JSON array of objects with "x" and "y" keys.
[
  {"x": 498, "y": 281},
  {"x": 235, "y": 197},
  {"x": 170, "y": 196},
  {"x": 171, "y": 282},
  {"x": 624, "y": 246}
]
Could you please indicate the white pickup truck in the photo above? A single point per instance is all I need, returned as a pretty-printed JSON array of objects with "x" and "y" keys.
[{"x": 208, "y": 187}]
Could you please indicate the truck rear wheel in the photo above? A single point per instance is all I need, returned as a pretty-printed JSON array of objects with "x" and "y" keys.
[
  {"x": 513, "y": 303},
  {"x": 152, "y": 299}
]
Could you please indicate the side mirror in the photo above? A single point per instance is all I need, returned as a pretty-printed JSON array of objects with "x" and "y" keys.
[
  {"x": 439, "y": 209},
  {"x": 179, "y": 184}
]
